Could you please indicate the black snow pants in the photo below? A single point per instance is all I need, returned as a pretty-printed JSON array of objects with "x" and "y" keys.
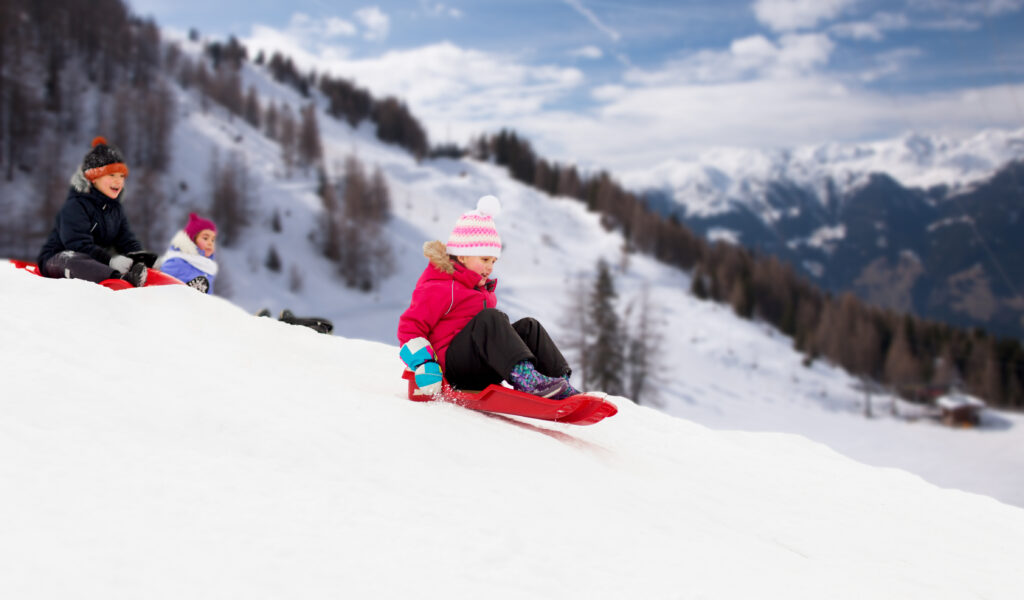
[
  {"x": 77, "y": 265},
  {"x": 487, "y": 348}
]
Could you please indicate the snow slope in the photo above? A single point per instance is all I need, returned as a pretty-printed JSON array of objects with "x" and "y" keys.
[{"x": 161, "y": 443}]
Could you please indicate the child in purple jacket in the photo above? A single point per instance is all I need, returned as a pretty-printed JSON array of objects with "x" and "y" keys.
[{"x": 452, "y": 325}]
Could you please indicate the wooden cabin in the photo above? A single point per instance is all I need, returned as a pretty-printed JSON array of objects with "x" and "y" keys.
[{"x": 961, "y": 410}]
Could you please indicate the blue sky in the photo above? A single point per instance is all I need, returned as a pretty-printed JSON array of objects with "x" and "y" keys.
[{"x": 625, "y": 84}]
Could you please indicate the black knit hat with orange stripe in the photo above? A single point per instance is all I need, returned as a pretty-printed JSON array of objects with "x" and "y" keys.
[{"x": 103, "y": 159}]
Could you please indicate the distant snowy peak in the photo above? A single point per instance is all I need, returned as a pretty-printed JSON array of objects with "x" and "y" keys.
[{"x": 722, "y": 178}]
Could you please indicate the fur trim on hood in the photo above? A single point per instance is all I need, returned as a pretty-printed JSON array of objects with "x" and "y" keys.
[
  {"x": 79, "y": 182},
  {"x": 437, "y": 253},
  {"x": 83, "y": 185}
]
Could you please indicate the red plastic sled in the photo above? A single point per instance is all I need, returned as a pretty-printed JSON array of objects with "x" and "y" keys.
[
  {"x": 581, "y": 409},
  {"x": 153, "y": 277}
]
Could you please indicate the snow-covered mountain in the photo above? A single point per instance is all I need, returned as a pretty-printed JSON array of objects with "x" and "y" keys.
[
  {"x": 195, "y": 450},
  {"x": 920, "y": 224},
  {"x": 721, "y": 179}
]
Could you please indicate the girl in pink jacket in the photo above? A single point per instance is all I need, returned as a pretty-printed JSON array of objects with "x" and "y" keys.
[{"x": 453, "y": 330}]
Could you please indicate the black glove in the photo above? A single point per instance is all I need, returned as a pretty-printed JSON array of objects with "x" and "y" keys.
[
  {"x": 143, "y": 256},
  {"x": 200, "y": 283}
]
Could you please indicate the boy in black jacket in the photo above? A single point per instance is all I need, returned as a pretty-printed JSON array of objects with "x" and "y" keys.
[{"x": 91, "y": 222}]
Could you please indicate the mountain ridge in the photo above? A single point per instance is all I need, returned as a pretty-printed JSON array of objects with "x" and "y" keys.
[{"x": 850, "y": 225}]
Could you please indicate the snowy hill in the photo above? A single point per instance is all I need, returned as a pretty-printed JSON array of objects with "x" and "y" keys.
[
  {"x": 194, "y": 450},
  {"x": 715, "y": 369}
]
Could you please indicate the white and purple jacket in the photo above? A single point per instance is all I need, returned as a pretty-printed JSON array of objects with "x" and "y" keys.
[{"x": 185, "y": 261}]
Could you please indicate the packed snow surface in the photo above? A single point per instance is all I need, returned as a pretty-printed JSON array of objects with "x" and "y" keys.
[{"x": 161, "y": 443}]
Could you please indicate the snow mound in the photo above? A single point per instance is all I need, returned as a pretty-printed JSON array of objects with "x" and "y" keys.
[{"x": 162, "y": 443}]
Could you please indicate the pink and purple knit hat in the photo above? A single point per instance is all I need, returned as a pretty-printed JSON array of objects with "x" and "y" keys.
[
  {"x": 474, "y": 233},
  {"x": 197, "y": 224}
]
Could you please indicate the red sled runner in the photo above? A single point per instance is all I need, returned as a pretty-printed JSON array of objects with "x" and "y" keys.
[
  {"x": 153, "y": 277},
  {"x": 581, "y": 409}
]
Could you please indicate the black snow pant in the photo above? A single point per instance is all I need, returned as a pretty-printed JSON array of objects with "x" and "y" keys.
[
  {"x": 77, "y": 265},
  {"x": 487, "y": 348}
]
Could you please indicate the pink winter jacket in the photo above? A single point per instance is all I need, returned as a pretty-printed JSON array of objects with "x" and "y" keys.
[{"x": 444, "y": 301}]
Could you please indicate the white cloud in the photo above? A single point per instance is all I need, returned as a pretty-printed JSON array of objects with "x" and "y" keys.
[
  {"x": 758, "y": 93},
  {"x": 439, "y": 9},
  {"x": 985, "y": 8},
  {"x": 639, "y": 127},
  {"x": 454, "y": 90},
  {"x": 376, "y": 23},
  {"x": 801, "y": 53},
  {"x": 873, "y": 29},
  {"x": 591, "y": 52},
  {"x": 891, "y": 62},
  {"x": 858, "y": 30},
  {"x": 746, "y": 58},
  {"x": 950, "y": 24},
  {"x": 790, "y": 15},
  {"x": 577, "y": 5},
  {"x": 304, "y": 31},
  {"x": 301, "y": 41},
  {"x": 607, "y": 93},
  {"x": 339, "y": 27}
]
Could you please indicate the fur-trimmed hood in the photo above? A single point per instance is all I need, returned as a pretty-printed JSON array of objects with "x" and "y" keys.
[
  {"x": 437, "y": 253},
  {"x": 184, "y": 248}
]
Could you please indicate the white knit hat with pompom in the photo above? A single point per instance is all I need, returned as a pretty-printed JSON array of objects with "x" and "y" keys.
[{"x": 474, "y": 233}]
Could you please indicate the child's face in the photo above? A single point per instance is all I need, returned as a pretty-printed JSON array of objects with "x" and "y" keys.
[
  {"x": 481, "y": 265},
  {"x": 206, "y": 241},
  {"x": 110, "y": 184}
]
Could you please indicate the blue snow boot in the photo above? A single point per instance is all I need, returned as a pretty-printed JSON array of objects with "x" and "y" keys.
[{"x": 525, "y": 378}]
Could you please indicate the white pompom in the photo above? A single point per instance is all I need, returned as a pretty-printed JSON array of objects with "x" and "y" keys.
[{"x": 488, "y": 205}]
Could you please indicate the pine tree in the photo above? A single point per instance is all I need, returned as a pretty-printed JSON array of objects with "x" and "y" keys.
[
  {"x": 576, "y": 321},
  {"x": 642, "y": 350},
  {"x": 273, "y": 261},
  {"x": 270, "y": 121},
  {"x": 287, "y": 137},
  {"x": 379, "y": 197},
  {"x": 146, "y": 207},
  {"x": 229, "y": 207},
  {"x": 252, "y": 108},
  {"x": 332, "y": 220},
  {"x": 309, "y": 147},
  {"x": 606, "y": 352},
  {"x": 901, "y": 366},
  {"x": 52, "y": 186}
]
